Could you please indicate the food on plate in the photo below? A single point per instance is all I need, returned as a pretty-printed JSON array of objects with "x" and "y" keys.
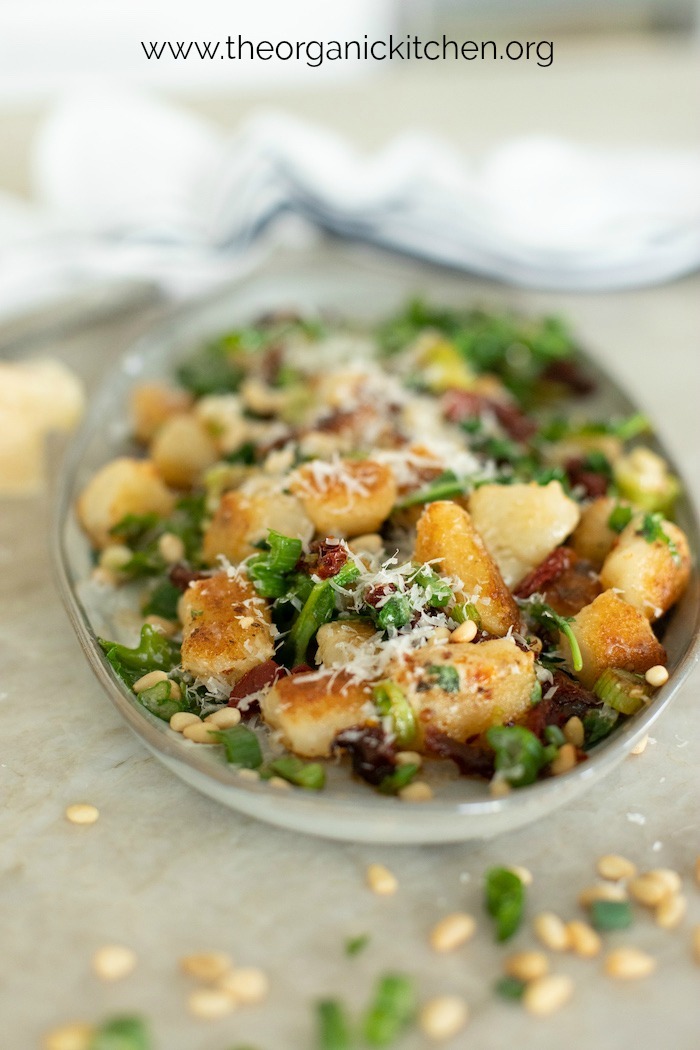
[{"x": 387, "y": 546}]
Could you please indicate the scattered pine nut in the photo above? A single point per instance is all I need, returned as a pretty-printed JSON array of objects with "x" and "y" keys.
[
  {"x": 245, "y": 984},
  {"x": 247, "y": 774},
  {"x": 171, "y": 548},
  {"x": 104, "y": 577},
  {"x": 148, "y": 680},
  {"x": 280, "y": 784},
  {"x": 604, "y": 891},
  {"x": 417, "y": 791},
  {"x": 668, "y": 877},
  {"x": 206, "y": 966},
  {"x": 657, "y": 676},
  {"x": 224, "y": 718},
  {"x": 200, "y": 733},
  {"x": 115, "y": 556},
  {"x": 573, "y": 731},
  {"x": 629, "y": 964},
  {"x": 408, "y": 758},
  {"x": 565, "y": 760},
  {"x": 641, "y": 747},
  {"x": 381, "y": 881},
  {"x": 182, "y": 719},
  {"x": 210, "y": 1004},
  {"x": 526, "y": 966},
  {"x": 696, "y": 944},
  {"x": 585, "y": 941},
  {"x": 670, "y": 913},
  {"x": 74, "y": 1036},
  {"x": 547, "y": 994},
  {"x": 551, "y": 931},
  {"x": 613, "y": 866},
  {"x": 112, "y": 962},
  {"x": 499, "y": 787},
  {"x": 648, "y": 890},
  {"x": 440, "y": 635},
  {"x": 466, "y": 632},
  {"x": 443, "y": 1017},
  {"x": 82, "y": 813},
  {"x": 452, "y": 931}
]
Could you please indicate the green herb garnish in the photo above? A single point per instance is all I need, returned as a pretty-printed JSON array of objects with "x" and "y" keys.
[
  {"x": 620, "y": 517},
  {"x": 446, "y": 677},
  {"x": 505, "y": 901},
  {"x": 392, "y": 1010},
  {"x": 510, "y": 988},
  {"x": 333, "y": 1028},
  {"x": 599, "y": 723},
  {"x": 391, "y": 701},
  {"x": 400, "y": 778},
  {"x": 545, "y": 615},
  {"x": 652, "y": 530},
  {"x": 121, "y": 1033},
  {"x": 241, "y": 746},
  {"x": 153, "y": 653},
  {"x": 611, "y": 915},
  {"x": 355, "y": 945},
  {"x": 309, "y": 775},
  {"x": 519, "y": 754},
  {"x": 160, "y": 702}
]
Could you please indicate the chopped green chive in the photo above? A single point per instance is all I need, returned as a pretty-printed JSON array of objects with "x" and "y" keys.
[
  {"x": 392, "y": 1010},
  {"x": 554, "y": 735},
  {"x": 241, "y": 746},
  {"x": 520, "y": 755},
  {"x": 159, "y": 702},
  {"x": 390, "y": 701},
  {"x": 598, "y": 723},
  {"x": 466, "y": 611},
  {"x": 310, "y": 775},
  {"x": 622, "y": 690},
  {"x": 510, "y": 988},
  {"x": 446, "y": 677},
  {"x": 402, "y": 775},
  {"x": 121, "y": 1033},
  {"x": 355, "y": 945},
  {"x": 620, "y": 517},
  {"x": 332, "y": 1026},
  {"x": 505, "y": 901},
  {"x": 396, "y": 612},
  {"x": 611, "y": 915}
]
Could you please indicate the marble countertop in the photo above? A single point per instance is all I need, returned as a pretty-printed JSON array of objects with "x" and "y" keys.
[{"x": 169, "y": 872}]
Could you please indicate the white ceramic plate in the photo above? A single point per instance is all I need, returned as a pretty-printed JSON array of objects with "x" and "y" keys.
[{"x": 462, "y": 808}]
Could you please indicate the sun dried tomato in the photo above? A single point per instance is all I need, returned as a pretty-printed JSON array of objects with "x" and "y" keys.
[
  {"x": 252, "y": 681},
  {"x": 537, "y": 581}
]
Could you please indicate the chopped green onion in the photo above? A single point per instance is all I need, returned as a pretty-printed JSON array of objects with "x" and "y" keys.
[
  {"x": 396, "y": 612},
  {"x": 544, "y": 614},
  {"x": 438, "y": 591},
  {"x": 620, "y": 517},
  {"x": 355, "y": 945},
  {"x": 447, "y": 486},
  {"x": 310, "y": 775},
  {"x": 393, "y": 1009},
  {"x": 121, "y": 1033},
  {"x": 519, "y": 754},
  {"x": 317, "y": 610},
  {"x": 554, "y": 735},
  {"x": 159, "y": 702},
  {"x": 153, "y": 653},
  {"x": 446, "y": 677},
  {"x": 402, "y": 775},
  {"x": 505, "y": 901},
  {"x": 611, "y": 915},
  {"x": 466, "y": 611},
  {"x": 241, "y": 746},
  {"x": 391, "y": 701},
  {"x": 333, "y": 1027},
  {"x": 510, "y": 988},
  {"x": 622, "y": 690},
  {"x": 599, "y": 723},
  {"x": 536, "y": 694}
]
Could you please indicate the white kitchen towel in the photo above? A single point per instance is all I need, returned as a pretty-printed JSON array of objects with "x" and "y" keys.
[{"x": 134, "y": 186}]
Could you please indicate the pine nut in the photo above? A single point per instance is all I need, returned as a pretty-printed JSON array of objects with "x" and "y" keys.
[
  {"x": 696, "y": 944},
  {"x": 245, "y": 984},
  {"x": 604, "y": 891},
  {"x": 641, "y": 747},
  {"x": 75, "y": 1036},
  {"x": 524, "y": 874},
  {"x": 418, "y": 791},
  {"x": 209, "y": 1004},
  {"x": 443, "y": 1017},
  {"x": 452, "y": 931},
  {"x": 168, "y": 628},
  {"x": 381, "y": 881},
  {"x": 547, "y": 994},
  {"x": 668, "y": 877},
  {"x": 200, "y": 733},
  {"x": 466, "y": 632},
  {"x": 113, "y": 962},
  {"x": 585, "y": 942},
  {"x": 115, "y": 557},
  {"x": 551, "y": 931},
  {"x": 171, "y": 548},
  {"x": 147, "y": 681},
  {"x": 573, "y": 731},
  {"x": 82, "y": 813},
  {"x": 440, "y": 635},
  {"x": 671, "y": 912},
  {"x": 247, "y": 774},
  {"x": 280, "y": 784},
  {"x": 648, "y": 890},
  {"x": 565, "y": 760},
  {"x": 368, "y": 543},
  {"x": 104, "y": 577},
  {"x": 206, "y": 966},
  {"x": 181, "y": 719},
  {"x": 657, "y": 676},
  {"x": 225, "y": 718},
  {"x": 408, "y": 758},
  {"x": 628, "y": 964},
  {"x": 613, "y": 866},
  {"x": 526, "y": 966}
]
